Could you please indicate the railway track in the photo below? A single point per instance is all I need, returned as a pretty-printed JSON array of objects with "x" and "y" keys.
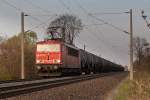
[
  {"x": 19, "y": 80},
  {"x": 9, "y": 89}
]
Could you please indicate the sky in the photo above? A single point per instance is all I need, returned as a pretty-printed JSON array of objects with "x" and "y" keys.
[{"x": 99, "y": 38}]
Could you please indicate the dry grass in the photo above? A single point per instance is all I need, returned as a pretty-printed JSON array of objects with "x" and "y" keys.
[{"x": 139, "y": 88}]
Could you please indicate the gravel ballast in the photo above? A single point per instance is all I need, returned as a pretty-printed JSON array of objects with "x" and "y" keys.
[{"x": 95, "y": 89}]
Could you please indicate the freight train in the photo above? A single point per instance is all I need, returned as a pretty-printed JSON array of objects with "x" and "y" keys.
[{"x": 55, "y": 58}]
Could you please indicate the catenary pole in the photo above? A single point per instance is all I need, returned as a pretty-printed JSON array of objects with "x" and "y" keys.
[
  {"x": 131, "y": 46},
  {"x": 22, "y": 46}
]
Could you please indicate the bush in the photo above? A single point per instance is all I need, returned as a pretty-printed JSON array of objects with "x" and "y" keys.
[{"x": 4, "y": 75}]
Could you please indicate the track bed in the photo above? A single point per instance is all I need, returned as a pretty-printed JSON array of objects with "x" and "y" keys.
[{"x": 76, "y": 89}]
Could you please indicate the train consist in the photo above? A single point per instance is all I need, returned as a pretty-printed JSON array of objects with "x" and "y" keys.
[{"x": 55, "y": 58}]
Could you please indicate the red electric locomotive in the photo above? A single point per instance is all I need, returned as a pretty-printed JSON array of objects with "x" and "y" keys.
[{"x": 54, "y": 57}]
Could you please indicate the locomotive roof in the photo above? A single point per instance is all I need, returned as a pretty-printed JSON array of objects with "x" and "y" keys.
[
  {"x": 71, "y": 46},
  {"x": 48, "y": 41},
  {"x": 56, "y": 41}
]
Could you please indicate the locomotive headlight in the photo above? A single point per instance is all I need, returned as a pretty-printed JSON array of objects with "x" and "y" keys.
[
  {"x": 55, "y": 67},
  {"x": 38, "y": 61},
  {"x": 38, "y": 67},
  {"x": 58, "y": 61}
]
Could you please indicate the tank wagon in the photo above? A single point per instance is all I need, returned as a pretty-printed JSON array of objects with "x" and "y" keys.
[
  {"x": 93, "y": 63},
  {"x": 55, "y": 58}
]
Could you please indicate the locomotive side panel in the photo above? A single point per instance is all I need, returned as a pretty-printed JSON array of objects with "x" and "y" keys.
[
  {"x": 63, "y": 56},
  {"x": 72, "y": 57}
]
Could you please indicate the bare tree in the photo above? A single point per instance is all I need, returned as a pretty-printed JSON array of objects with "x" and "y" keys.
[
  {"x": 138, "y": 44},
  {"x": 69, "y": 26}
]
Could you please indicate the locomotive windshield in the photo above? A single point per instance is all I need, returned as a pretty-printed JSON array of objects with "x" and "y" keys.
[
  {"x": 53, "y": 35},
  {"x": 48, "y": 47}
]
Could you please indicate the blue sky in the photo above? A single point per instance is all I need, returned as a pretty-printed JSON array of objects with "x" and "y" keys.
[{"x": 102, "y": 40}]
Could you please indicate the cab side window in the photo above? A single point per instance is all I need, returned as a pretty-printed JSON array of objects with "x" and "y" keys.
[{"x": 72, "y": 52}]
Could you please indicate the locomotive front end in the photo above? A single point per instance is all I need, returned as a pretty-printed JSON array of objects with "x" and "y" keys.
[{"x": 48, "y": 58}]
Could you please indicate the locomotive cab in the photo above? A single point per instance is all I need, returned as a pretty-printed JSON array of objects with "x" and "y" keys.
[{"x": 48, "y": 57}]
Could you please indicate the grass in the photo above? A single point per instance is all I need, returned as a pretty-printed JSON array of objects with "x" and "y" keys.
[
  {"x": 124, "y": 90},
  {"x": 138, "y": 89}
]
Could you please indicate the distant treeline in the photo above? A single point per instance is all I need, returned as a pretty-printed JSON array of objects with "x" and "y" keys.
[{"x": 10, "y": 56}]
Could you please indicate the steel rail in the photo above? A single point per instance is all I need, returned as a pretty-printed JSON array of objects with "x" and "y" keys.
[{"x": 18, "y": 88}]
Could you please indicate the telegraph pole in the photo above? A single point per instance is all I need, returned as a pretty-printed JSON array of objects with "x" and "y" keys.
[
  {"x": 131, "y": 46},
  {"x": 84, "y": 47},
  {"x": 22, "y": 46}
]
